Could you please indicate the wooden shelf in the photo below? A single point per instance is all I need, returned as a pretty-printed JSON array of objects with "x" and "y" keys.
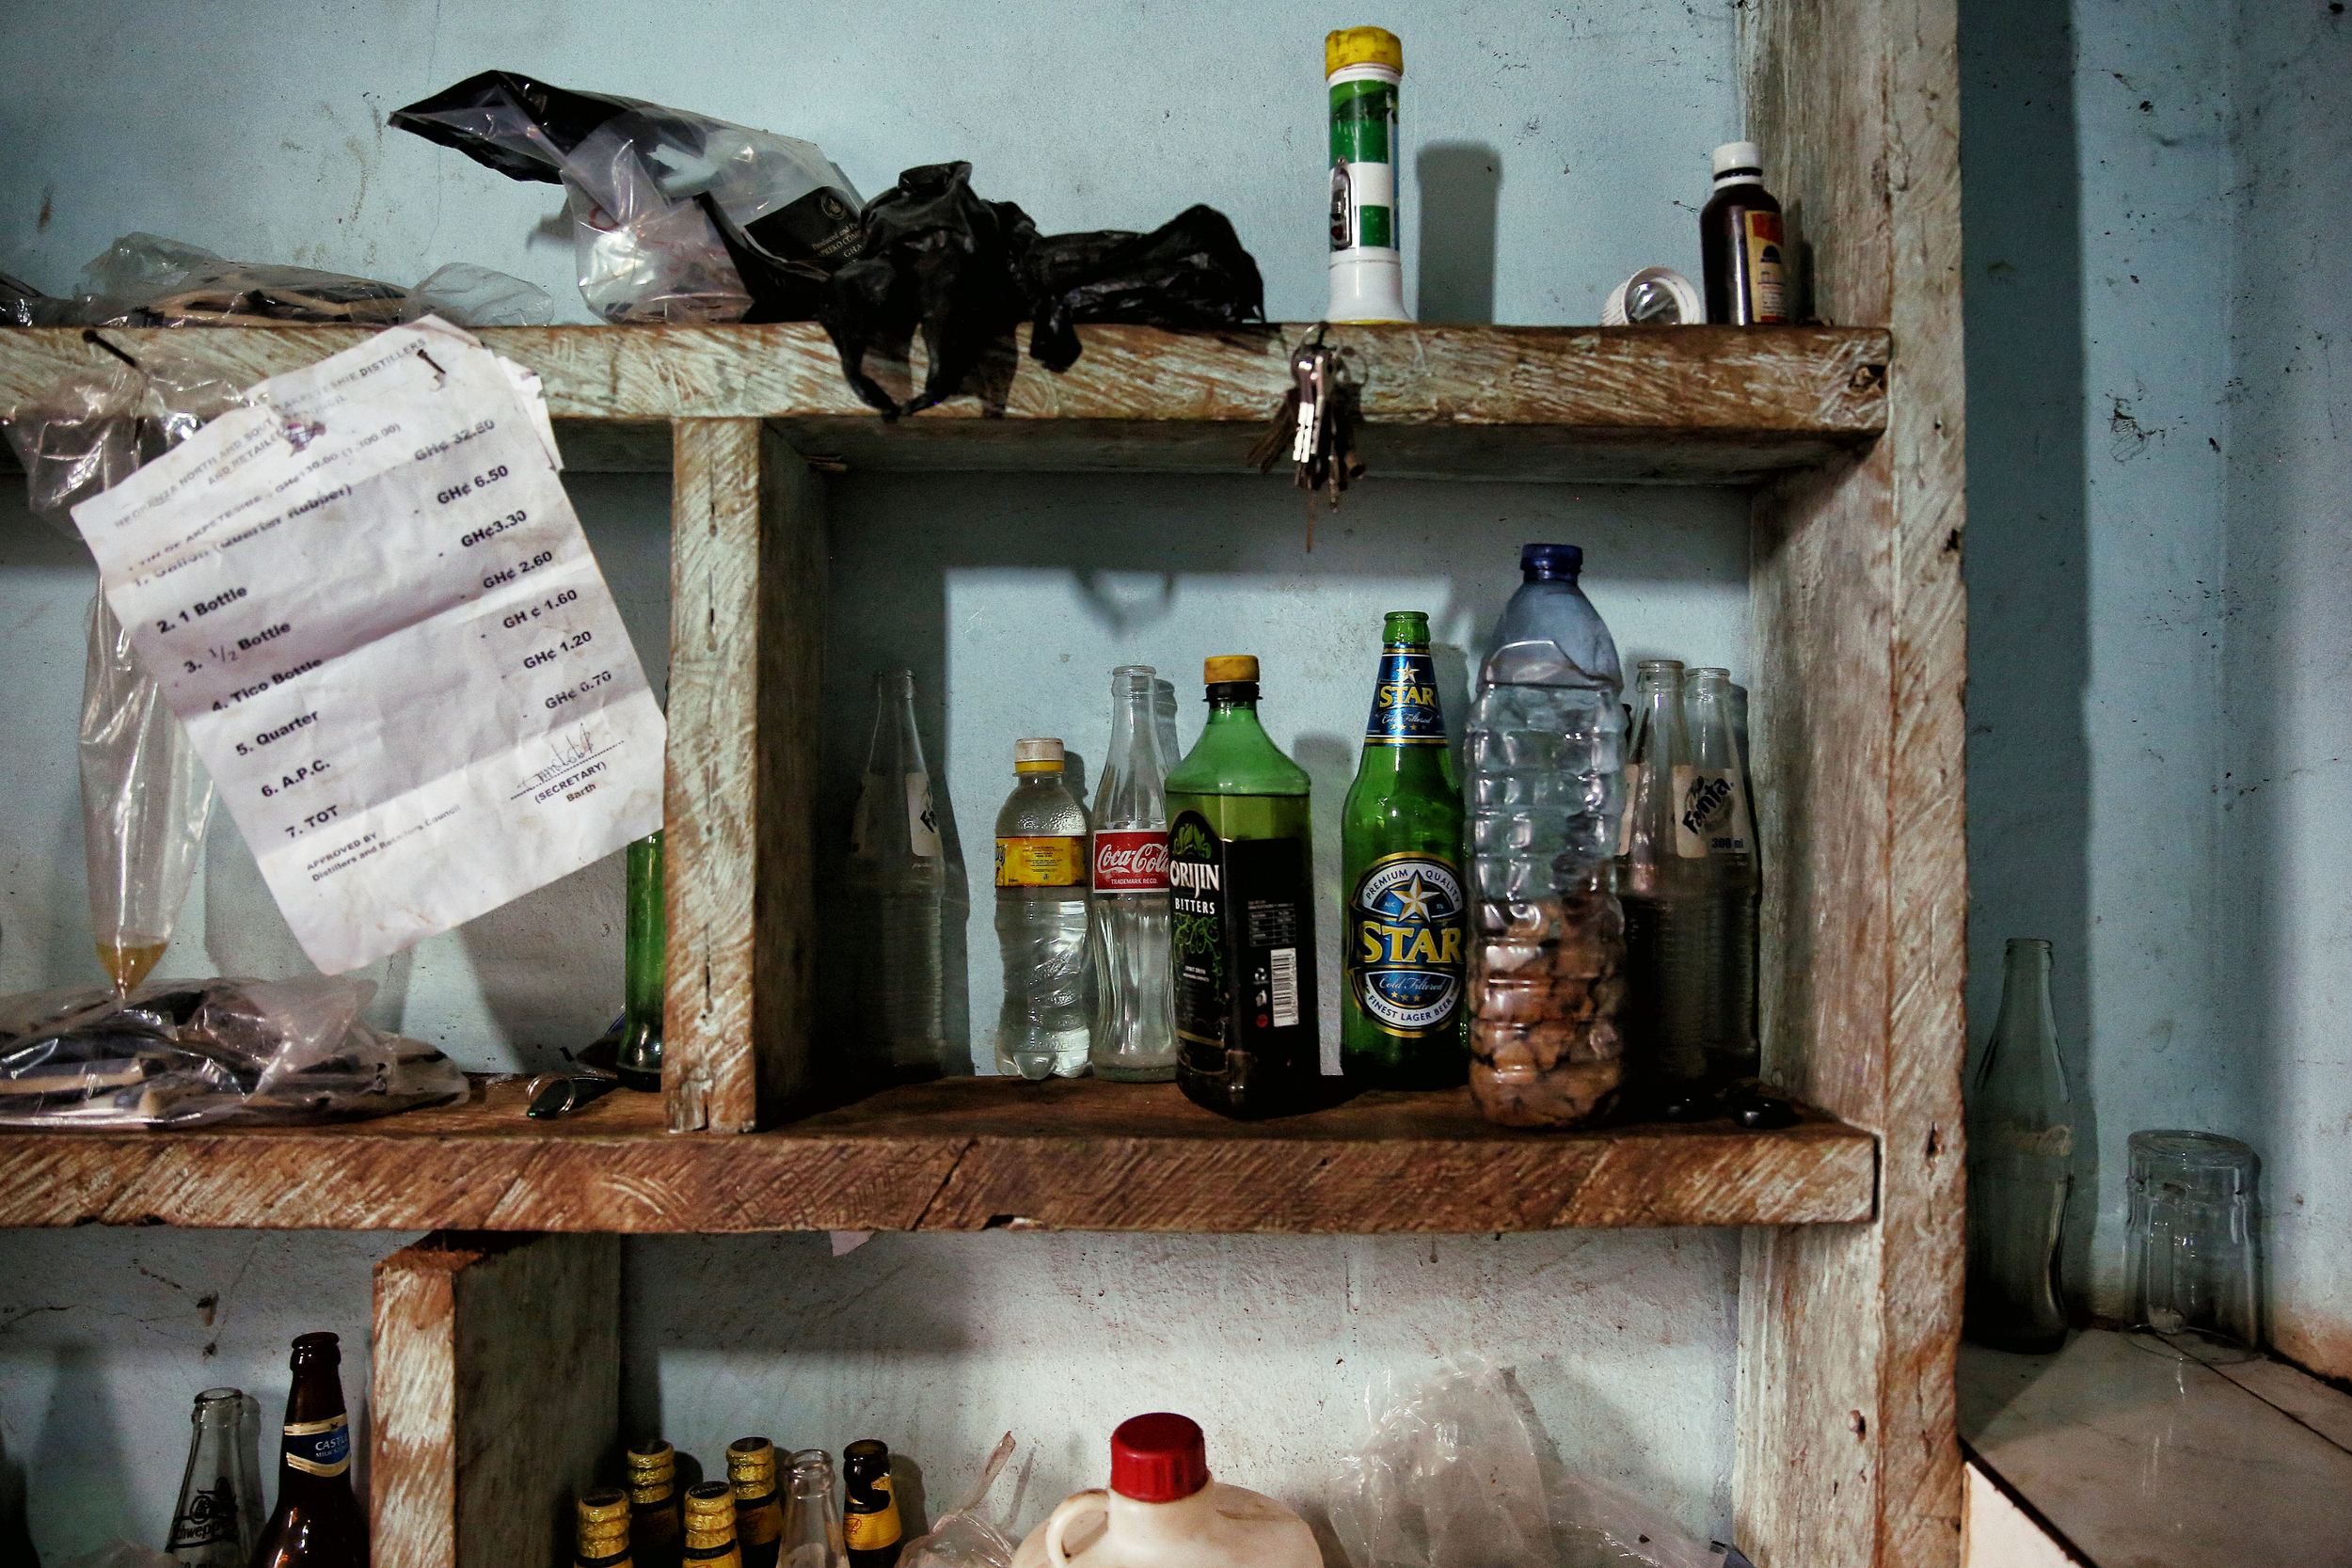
[
  {"x": 962, "y": 1154},
  {"x": 1704, "y": 405}
]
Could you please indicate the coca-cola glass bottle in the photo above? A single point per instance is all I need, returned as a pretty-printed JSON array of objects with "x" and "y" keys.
[{"x": 1135, "y": 1031}]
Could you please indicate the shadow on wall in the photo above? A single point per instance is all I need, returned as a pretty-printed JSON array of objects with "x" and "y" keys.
[
  {"x": 2026, "y": 569},
  {"x": 1459, "y": 187}
]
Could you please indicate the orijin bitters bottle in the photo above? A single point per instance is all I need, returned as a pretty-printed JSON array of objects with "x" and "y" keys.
[
  {"x": 1401, "y": 863},
  {"x": 1361, "y": 69},
  {"x": 1134, "y": 1028}
]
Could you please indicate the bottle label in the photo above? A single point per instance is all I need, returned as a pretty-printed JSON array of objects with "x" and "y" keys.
[
  {"x": 1761, "y": 253},
  {"x": 758, "y": 1520},
  {"x": 874, "y": 794},
  {"x": 1242, "y": 914},
  {"x": 1689, "y": 846},
  {"x": 1055, "y": 861},
  {"x": 211, "y": 1515},
  {"x": 1405, "y": 710},
  {"x": 1130, "y": 860},
  {"x": 1404, "y": 951},
  {"x": 319, "y": 1447},
  {"x": 870, "y": 1527},
  {"x": 1715, "y": 812}
]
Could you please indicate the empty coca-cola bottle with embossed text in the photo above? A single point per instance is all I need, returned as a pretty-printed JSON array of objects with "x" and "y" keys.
[{"x": 1135, "y": 1029}]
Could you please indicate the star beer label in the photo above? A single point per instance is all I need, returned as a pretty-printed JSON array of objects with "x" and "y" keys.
[
  {"x": 1405, "y": 708},
  {"x": 1404, "y": 944}
]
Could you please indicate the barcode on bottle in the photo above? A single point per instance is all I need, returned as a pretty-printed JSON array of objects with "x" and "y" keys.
[{"x": 1284, "y": 963}]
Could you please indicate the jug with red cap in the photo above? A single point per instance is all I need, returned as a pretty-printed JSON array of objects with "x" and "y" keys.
[{"x": 1162, "y": 1510}]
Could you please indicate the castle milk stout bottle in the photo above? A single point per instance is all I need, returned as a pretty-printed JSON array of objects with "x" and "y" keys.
[
  {"x": 1401, "y": 866},
  {"x": 317, "y": 1523},
  {"x": 1240, "y": 869}
]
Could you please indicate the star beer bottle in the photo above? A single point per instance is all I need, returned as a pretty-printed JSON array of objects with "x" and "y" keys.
[{"x": 1401, "y": 865}]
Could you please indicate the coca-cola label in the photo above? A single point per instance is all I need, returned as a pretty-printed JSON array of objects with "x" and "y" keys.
[{"x": 1130, "y": 860}]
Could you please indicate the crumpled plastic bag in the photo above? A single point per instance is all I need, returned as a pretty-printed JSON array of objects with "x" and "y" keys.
[
  {"x": 650, "y": 190},
  {"x": 194, "y": 1052},
  {"x": 147, "y": 280},
  {"x": 1450, "y": 1479},
  {"x": 964, "y": 1539},
  {"x": 934, "y": 256}
]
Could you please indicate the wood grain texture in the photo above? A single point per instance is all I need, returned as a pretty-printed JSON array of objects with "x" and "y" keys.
[
  {"x": 495, "y": 1395},
  {"x": 963, "y": 1154},
  {"x": 1707, "y": 404},
  {"x": 1848, "y": 1454},
  {"x": 746, "y": 616}
]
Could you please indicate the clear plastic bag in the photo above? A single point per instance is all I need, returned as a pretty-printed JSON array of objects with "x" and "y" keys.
[
  {"x": 187, "y": 1054},
  {"x": 146, "y": 280},
  {"x": 145, "y": 798},
  {"x": 964, "y": 1539},
  {"x": 1451, "y": 1478},
  {"x": 649, "y": 190}
]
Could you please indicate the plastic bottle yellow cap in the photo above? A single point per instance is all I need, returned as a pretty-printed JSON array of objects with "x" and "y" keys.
[
  {"x": 1227, "y": 668},
  {"x": 1363, "y": 47}
]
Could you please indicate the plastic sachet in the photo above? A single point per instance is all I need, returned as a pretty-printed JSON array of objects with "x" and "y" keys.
[
  {"x": 650, "y": 192},
  {"x": 146, "y": 798},
  {"x": 146, "y": 280},
  {"x": 192, "y": 1053},
  {"x": 964, "y": 1539},
  {"x": 1451, "y": 1478}
]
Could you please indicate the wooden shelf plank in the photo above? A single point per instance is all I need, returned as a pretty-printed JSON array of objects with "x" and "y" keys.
[
  {"x": 962, "y": 1154},
  {"x": 1680, "y": 405}
]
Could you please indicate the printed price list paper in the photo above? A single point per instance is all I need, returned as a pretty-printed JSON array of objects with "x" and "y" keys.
[{"x": 369, "y": 599}]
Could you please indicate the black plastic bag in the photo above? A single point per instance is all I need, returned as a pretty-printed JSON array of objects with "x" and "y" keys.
[{"x": 936, "y": 258}]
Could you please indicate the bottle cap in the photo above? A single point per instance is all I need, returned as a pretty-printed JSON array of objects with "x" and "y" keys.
[
  {"x": 751, "y": 1459},
  {"x": 1739, "y": 157},
  {"x": 1158, "y": 1458},
  {"x": 709, "y": 1497},
  {"x": 1363, "y": 47},
  {"x": 1550, "y": 563},
  {"x": 608, "y": 1503},
  {"x": 1227, "y": 668},
  {"x": 1037, "y": 756}
]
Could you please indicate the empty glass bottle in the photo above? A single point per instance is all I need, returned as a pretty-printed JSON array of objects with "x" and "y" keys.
[
  {"x": 2021, "y": 1143},
  {"x": 1717, "y": 806},
  {"x": 1164, "y": 711},
  {"x": 897, "y": 877},
  {"x": 219, "y": 1516},
  {"x": 1134, "y": 1026},
  {"x": 1042, "y": 1030},
  {"x": 812, "y": 1515}
]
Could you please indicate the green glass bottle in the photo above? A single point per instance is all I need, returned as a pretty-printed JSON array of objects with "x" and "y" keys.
[
  {"x": 1401, "y": 865},
  {"x": 646, "y": 944},
  {"x": 1241, "y": 898}
]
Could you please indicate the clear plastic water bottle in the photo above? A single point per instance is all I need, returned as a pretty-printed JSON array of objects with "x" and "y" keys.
[
  {"x": 1042, "y": 1030},
  {"x": 1548, "y": 938},
  {"x": 897, "y": 877},
  {"x": 1135, "y": 1019}
]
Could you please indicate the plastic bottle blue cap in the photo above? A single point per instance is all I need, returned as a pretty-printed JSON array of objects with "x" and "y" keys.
[{"x": 1539, "y": 563}]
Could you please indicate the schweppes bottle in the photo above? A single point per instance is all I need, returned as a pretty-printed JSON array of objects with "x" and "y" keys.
[
  {"x": 870, "y": 1513},
  {"x": 600, "y": 1538},
  {"x": 1401, "y": 869},
  {"x": 758, "y": 1507},
  {"x": 710, "y": 1526},
  {"x": 655, "y": 1531}
]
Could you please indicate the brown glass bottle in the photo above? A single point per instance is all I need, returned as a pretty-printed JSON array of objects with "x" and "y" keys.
[
  {"x": 1749, "y": 281},
  {"x": 317, "y": 1523},
  {"x": 710, "y": 1526},
  {"x": 600, "y": 1538},
  {"x": 759, "y": 1505},
  {"x": 869, "y": 1509},
  {"x": 655, "y": 1531}
]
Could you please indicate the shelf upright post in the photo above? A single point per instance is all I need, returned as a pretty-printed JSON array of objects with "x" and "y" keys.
[
  {"x": 747, "y": 568},
  {"x": 1848, "y": 1455}
]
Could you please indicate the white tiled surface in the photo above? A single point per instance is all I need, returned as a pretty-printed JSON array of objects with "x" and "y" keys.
[{"x": 2145, "y": 1462}]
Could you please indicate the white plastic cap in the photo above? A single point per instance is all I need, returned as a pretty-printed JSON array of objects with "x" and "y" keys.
[
  {"x": 1037, "y": 751},
  {"x": 1739, "y": 154}
]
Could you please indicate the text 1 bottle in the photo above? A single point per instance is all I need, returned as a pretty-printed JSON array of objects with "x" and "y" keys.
[{"x": 1401, "y": 865}]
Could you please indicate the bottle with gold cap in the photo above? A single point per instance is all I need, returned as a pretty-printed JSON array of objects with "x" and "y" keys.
[
  {"x": 710, "y": 1526},
  {"x": 758, "y": 1509},
  {"x": 602, "y": 1533},
  {"x": 1361, "y": 69},
  {"x": 1241, "y": 896},
  {"x": 654, "y": 1528}
]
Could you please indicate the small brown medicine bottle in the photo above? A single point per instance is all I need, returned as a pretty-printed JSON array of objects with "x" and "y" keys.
[{"x": 1748, "y": 277}]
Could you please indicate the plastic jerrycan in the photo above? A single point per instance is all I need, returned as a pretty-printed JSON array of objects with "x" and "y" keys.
[{"x": 1163, "y": 1510}]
